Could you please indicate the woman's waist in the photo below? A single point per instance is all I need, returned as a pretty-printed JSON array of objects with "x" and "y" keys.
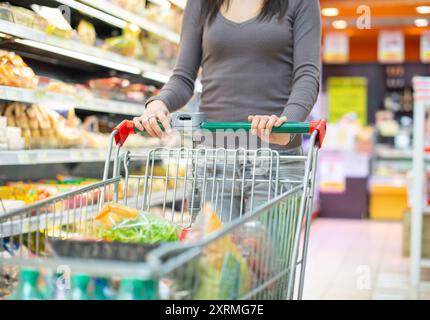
[{"x": 229, "y": 110}]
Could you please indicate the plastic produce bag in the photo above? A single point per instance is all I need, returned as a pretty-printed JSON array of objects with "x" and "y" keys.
[
  {"x": 256, "y": 242},
  {"x": 123, "y": 224},
  {"x": 224, "y": 272}
]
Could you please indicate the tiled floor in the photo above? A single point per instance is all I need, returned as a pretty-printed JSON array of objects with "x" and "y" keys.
[{"x": 357, "y": 259}]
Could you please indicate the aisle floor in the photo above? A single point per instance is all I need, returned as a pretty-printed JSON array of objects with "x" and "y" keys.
[{"x": 357, "y": 259}]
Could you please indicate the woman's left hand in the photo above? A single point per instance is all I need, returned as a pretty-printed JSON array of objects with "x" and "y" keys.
[{"x": 262, "y": 126}]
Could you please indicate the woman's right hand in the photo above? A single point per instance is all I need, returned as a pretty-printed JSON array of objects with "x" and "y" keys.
[{"x": 156, "y": 111}]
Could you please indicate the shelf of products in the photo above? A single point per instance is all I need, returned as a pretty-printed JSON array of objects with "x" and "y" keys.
[
  {"x": 139, "y": 18},
  {"x": 398, "y": 95},
  {"x": 40, "y": 96},
  {"x": 396, "y": 154},
  {"x": 44, "y": 156},
  {"x": 392, "y": 154},
  {"x": 34, "y": 126},
  {"x": 80, "y": 51},
  {"x": 17, "y": 194}
]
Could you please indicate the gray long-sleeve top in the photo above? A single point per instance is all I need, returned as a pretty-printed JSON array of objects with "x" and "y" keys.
[{"x": 250, "y": 68}]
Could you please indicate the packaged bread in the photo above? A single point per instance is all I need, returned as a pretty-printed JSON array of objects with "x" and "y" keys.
[
  {"x": 33, "y": 121},
  {"x": 26, "y": 135},
  {"x": 20, "y": 115},
  {"x": 35, "y": 139},
  {"x": 14, "y": 72},
  {"x": 9, "y": 113},
  {"x": 87, "y": 32}
]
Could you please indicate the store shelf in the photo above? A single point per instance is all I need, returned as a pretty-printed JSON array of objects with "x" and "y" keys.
[
  {"x": 393, "y": 154},
  {"x": 397, "y": 155},
  {"x": 143, "y": 23},
  {"x": 51, "y": 99},
  {"x": 46, "y": 156},
  {"x": 52, "y": 220},
  {"x": 94, "y": 13},
  {"x": 80, "y": 51}
]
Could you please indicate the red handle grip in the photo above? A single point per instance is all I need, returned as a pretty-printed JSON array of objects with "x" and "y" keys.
[
  {"x": 321, "y": 127},
  {"x": 124, "y": 129}
]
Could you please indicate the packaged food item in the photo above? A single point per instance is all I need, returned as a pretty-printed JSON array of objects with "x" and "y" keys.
[
  {"x": 111, "y": 214},
  {"x": 135, "y": 289},
  {"x": 5, "y": 12},
  {"x": 151, "y": 49},
  {"x": 127, "y": 44},
  {"x": 169, "y": 17},
  {"x": 79, "y": 289},
  {"x": 61, "y": 87},
  {"x": 86, "y": 32},
  {"x": 28, "y": 286},
  {"x": 108, "y": 83},
  {"x": 103, "y": 289},
  {"x": 14, "y": 71},
  {"x": 57, "y": 24},
  {"x": 68, "y": 133},
  {"x": 257, "y": 245},
  {"x": 159, "y": 51},
  {"x": 135, "y": 6},
  {"x": 123, "y": 224},
  {"x": 223, "y": 270},
  {"x": 22, "y": 16}
]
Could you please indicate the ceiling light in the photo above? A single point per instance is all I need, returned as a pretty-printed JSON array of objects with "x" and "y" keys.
[
  {"x": 421, "y": 23},
  {"x": 423, "y": 9},
  {"x": 340, "y": 24},
  {"x": 330, "y": 12}
]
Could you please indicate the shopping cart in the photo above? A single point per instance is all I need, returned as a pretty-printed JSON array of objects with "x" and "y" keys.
[{"x": 259, "y": 251}]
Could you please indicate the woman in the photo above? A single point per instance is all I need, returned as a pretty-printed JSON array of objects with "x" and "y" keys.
[{"x": 260, "y": 62}]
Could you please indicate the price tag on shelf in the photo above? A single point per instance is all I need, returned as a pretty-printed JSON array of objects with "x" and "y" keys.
[
  {"x": 67, "y": 101},
  {"x": 19, "y": 94},
  {"x": 76, "y": 155},
  {"x": 81, "y": 101},
  {"x": 39, "y": 94},
  {"x": 94, "y": 155},
  {"x": 24, "y": 157},
  {"x": 3, "y": 92},
  {"x": 43, "y": 157}
]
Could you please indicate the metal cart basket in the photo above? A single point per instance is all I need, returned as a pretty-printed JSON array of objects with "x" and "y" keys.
[{"x": 259, "y": 251}]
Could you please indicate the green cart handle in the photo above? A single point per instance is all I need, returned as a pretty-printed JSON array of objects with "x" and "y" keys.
[
  {"x": 125, "y": 128},
  {"x": 288, "y": 127}
]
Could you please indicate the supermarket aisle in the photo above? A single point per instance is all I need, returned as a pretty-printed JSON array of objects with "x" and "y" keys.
[{"x": 357, "y": 259}]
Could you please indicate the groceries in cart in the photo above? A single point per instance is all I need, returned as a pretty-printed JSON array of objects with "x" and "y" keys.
[
  {"x": 122, "y": 224},
  {"x": 36, "y": 285},
  {"x": 125, "y": 238},
  {"x": 223, "y": 271}
]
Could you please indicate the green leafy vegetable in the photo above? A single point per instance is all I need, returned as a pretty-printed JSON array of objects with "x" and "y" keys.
[{"x": 147, "y": 229}]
